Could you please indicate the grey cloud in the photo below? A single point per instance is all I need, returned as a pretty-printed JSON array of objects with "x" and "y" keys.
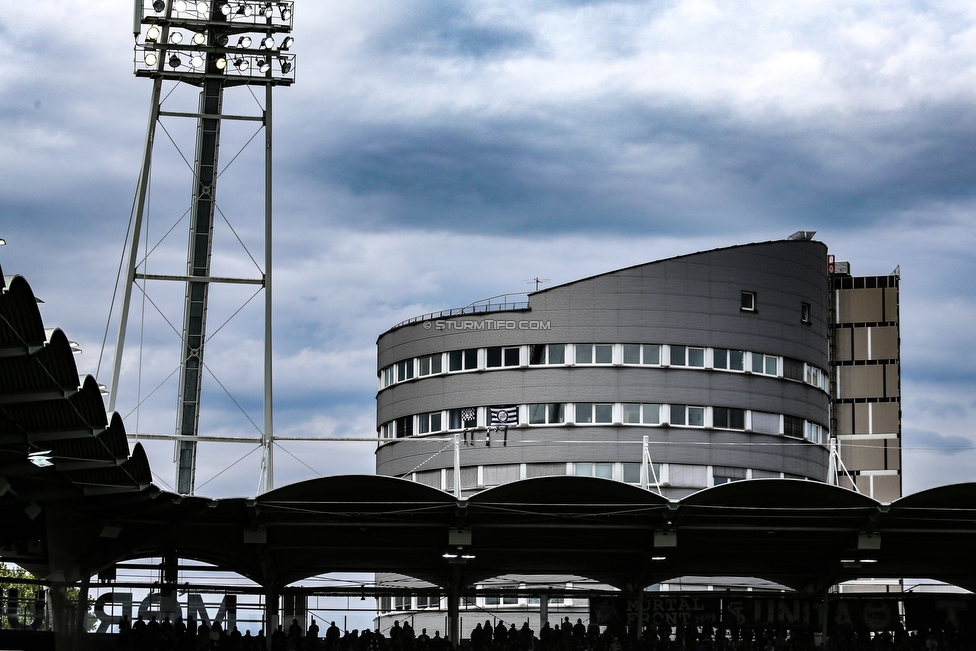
[{"x": 939, "y": 443}]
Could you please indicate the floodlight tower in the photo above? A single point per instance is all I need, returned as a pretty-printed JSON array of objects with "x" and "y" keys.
[{"x": 212, "y": 45}]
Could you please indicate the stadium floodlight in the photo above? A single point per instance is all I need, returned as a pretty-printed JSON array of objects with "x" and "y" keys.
[
  {"x": 159, "y": 6},
  {"x": 225, "y": 9},
  {"x": 174, "y": 61},
  {"x": 176, "y": 37},
  {"x": 245, "y": 10},
  {"x": 268, "y": 11},
  {"x": 179, "y": 5},
  {"x": 242, "y": 64},
  {"x": 263, "y": 65},
  {"x": 152, "y": 34},
  {"x": 221, "y": 63},
  {"x": 285, "y": 11},
  {"x": 223, "y": 40},
  {"x": 267, "y": 42},
  {"x": 285, "y": 65},
  {"x": 151, "y": 58},
  {"x": 244, "y": 42},
  {"x": 199, "y": 38},
  {"x": 203, "y": 8},
  {"x": 287, "y": 42},
  {"x": 196, "y": 61}
]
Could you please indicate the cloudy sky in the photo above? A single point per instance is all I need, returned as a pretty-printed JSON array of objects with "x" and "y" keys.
[{"x": 433, "y": 152}]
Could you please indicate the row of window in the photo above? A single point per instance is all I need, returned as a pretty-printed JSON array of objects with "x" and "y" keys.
[
  {"x": 608, "y": 413},
  {"x": 676, "y": 475},
  {"x": 661, "y": 355},
  {"x": 422, "y": 602}
]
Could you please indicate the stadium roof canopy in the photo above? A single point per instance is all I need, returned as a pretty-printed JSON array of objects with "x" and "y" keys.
[{"x": 75, "y": 500}]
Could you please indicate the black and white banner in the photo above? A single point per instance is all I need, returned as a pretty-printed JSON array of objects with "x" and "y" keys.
[{"x": 504, "y": 416}]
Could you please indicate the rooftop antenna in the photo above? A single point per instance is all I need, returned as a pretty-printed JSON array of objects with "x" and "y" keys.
[{"x": 538, "y": 281}]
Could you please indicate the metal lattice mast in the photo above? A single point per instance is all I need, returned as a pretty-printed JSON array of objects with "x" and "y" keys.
[{"x": 207, "y": 45}]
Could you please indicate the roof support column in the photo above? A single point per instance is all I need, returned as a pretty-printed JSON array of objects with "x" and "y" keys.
[
  {"x": 270, "y": 616},
  {"x": 453, "y": 607}
]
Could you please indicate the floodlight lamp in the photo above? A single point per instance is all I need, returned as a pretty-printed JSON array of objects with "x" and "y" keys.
[
  {"x": 244, "y": 42},
  {"x": 196, "y": 61},
  {"x": 225, "y": 9},
  {"x": 176, "y": 37},
  {"x": 199, "y": 38},
  {"x": 221, "y": 63},
  {"x": 285, "y": 11},
  {"x": 241, "y": 64},
  {"x": 223, "y": 40},
  {"x": 263, "y": 65},
  {"x": 288, "y": 42},
  {"x": 268, "y": 10},
  {"x": 267, "y": 42},
  {"x": 285, "y": 65},
  {"x": 244, "y": 10},
  {"x": 159, "y": 6},
  {"x": 174, "y": 61},
  {"x": 203, "y": 8},
  {"x": 179, "y": 5},
  {"x": 152, "y": 34},
  {"x": 151, "y": 58}
]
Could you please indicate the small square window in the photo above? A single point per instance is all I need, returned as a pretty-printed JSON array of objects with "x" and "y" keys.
[
  {"x": 720, "y": 358},
  {"x": 748, "y": 301},
  {"x": 537, "y": 414},
  {"x": 493, "y": 357},
  {"x": 584, "y": 412},
  {"x": 677, "y": 355},
  {"x": 678, "y": 414},
  {"x": 696, "y": 416},
  {"x": 652, "y": 414},
  {"x": 737, "y": 360},
  {"x": 652, "y": 353},
  {"x": 584, "y": 469},
  {"x": 604, "y": 413},
  {"x": 557, "y": 412},
  {"x": 537, "y": 354},
  {"x": 632, "y": 413},
  {"x": 604, "y": 354},
  {"x": 696, "y": 357},
  {"x": 557, "y": 353},
  {"x": 771, "y": 365},
  {"x": 584, "y": 353},
  {"x": 632, "y": 353},
  {"x": 604, "y": 470},
  {"x": 511, "y": 356}
]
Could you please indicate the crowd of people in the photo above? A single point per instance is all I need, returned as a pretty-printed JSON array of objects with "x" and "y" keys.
[{"x": 179, "y": 635}]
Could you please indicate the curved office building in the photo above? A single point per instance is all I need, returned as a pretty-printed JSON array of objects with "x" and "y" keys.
[{"x": 715, "y": 363}]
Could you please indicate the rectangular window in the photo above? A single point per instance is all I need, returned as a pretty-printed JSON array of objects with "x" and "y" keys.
[
  {"x": 696, "y": 357},
  {"x": 632, "y": 413},
  {"x": 737, "y": 360},
  {"x": 584, "y": 412},
  {"x": 493, "y": 356},
  {"x": 603, "y": 470},
  {"x": 557, "y": 353},
  {"x": 805, "y": 312},
  {"x": 389, "y": 375},
  {"x": 584, "y": 470},
  {"x": 728, "y": 418},
  {"x": 748, "y": 301},
  {"x": 720, "y": 358},
  {"x": 584, "y": 353},
  {"x": 652, "y": 414},
  {"x": 771, "y": 365},
  {"x": 604, "y": 353},
  {"x": 404, "y": 427},
  {"x": 652, "y": 353},
  {"x": 462, "y": 418},
  {"x": 405, "y": 370},
  {"x": 557, "y": 412},
  {"x": 423, "y": 601},
  {"x": 537, "y": 354},
  {"x": 430, "y": 365},
  {"x": 632, "y": 353},
  {"x": 677, "y": 355},
  {"x": 537, "y": 414},
  {"x": 725, "y": 474},
  {"x": 814, "y": 432},
  {"x": 793, "y": 426},
  {"x": 765, "y": 423},
  {"x": 632, "y": 473},
  {"x": 792, "y": 369},
  {"x": 685, "y": 415},
  {"x": 511, "y": 356},
  {"x": 757, "y": 363},
  {"x": 678, "y": 414},
  {"x": 463, "y": 360},
  {"x": 604, "y": 413},
  {"x": 509, "y": 601},
  {"x": 688, "y": 476}
]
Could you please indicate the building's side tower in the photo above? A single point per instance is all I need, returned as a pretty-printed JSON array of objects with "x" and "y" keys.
[{"x": 866, "y": 380}]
